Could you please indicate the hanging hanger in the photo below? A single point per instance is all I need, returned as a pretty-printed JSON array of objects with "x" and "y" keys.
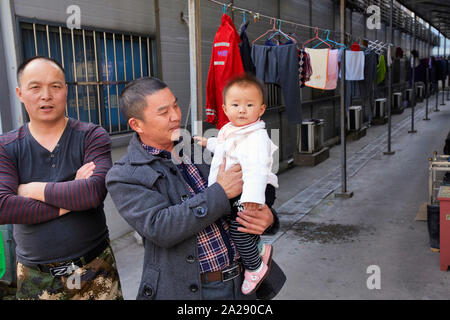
[
  {"x": 282, "y": 33},
  {"x": 327, "y": 32},
  {"x": 268, "y": 31},
  {"x": 316, "y": 37}
]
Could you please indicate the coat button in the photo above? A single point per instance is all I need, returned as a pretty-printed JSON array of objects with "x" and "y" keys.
[
  {"x": 190, "y": 259},
  {"x": 199, "y": 211},
  {"x": 193, "y": 288},
  {"x": 148, "y": 291}
]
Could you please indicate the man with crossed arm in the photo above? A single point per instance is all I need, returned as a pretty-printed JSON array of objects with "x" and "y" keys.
[{"x": 52, "y": 188}]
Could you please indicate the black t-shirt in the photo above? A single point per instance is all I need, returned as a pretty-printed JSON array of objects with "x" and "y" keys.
[{"x": 41, "y": 235}]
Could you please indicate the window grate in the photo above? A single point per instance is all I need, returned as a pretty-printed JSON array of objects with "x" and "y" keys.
[{"x": 97, "y": 64}]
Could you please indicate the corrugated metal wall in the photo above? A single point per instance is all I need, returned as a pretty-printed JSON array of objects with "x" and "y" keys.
[{"x": 131, "y": 15}]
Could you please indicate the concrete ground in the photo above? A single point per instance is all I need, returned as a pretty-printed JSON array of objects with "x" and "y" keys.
[{"x": 326, "y": 244}]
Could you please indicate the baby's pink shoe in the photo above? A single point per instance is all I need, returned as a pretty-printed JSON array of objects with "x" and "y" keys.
[
  {"x": 266, "y": 254},
  {"x": 252, "y": 279}
]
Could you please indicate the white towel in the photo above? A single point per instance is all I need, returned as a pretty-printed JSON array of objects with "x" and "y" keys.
[
  {"x": 354, "y": 65},
  {"x": 319, "y": 66}
]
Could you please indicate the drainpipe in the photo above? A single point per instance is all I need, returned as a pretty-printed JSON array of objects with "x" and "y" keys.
[
  {"x": 10, "y": 45},
  {"x": 195, "y": 63}
]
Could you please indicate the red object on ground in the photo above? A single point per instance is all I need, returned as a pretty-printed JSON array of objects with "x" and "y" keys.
[{"x": 444, "y": 229}]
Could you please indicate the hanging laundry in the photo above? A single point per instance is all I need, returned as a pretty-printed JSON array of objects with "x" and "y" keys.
[
  {"x": 396, "y": 70},
  {"x": 355, "y": 47},
  {"x": 354, "y": 65},
  {"x": 225, "y": 63},
  {"x": 363, "y": 89},
  {"x": 389, "y": 58},
  {"x": 279, "y": 65},
  {"x": 333, "y": 69},
  {"x": 304, "y": 67},
  {"x": 399, "y": 53},
  {"x": 246, "y": 50},
  {"x": 420, "y": 72},
  {"x": 319, "y": 65},
  {"x": 381, "y": 69}
]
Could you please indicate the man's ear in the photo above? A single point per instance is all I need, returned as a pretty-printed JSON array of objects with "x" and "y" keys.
[
  {"x": 135, "y": 124},
  {"x": 19, "y": 93}
]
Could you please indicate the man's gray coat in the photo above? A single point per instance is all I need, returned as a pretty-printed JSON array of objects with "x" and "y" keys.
[{"x": 151, "y": 195}]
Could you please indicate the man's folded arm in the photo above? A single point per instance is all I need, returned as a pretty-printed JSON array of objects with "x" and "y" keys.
[
  {"x": 84, "y": 194},
  {"x": 15, "y": 209}
]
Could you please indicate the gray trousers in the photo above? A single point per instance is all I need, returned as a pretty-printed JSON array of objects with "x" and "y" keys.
[{"x": 279, "y": 65}]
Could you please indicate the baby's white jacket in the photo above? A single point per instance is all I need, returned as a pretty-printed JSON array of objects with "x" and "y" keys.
[{"x": 251, "y": 147}]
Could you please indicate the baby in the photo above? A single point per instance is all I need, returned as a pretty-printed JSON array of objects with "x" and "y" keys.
[{"x": 244, "y": 140}]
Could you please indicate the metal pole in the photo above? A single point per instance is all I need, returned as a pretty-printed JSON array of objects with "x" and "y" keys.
[
  {"x": 437, "y": 81},
  {"x": 11, "y": 47},
  {"x": 448, "y": 79},
  {"x": 195, "y": 62},
  {"x": 344, "y": 193},
  {"x": 445, "y": 77},
  {"x": 389, "y": 99},
  {"x": 427, "y": 70},
  {"x": 413, "y": 84}
]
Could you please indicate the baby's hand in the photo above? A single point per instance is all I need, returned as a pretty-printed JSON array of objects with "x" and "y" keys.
[
  {"x": 201, "y": 141},
  {"x": 251, "y": 206}
]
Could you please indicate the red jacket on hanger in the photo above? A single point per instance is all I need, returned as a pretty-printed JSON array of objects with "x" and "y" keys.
[{"x": 225, "y": 63}]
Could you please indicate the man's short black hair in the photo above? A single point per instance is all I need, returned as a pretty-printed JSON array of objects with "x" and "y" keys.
[
  {"x": 132, "y": 98},
  {"x": 244, "y": 79},
  {"x": 27, "y": 61}
]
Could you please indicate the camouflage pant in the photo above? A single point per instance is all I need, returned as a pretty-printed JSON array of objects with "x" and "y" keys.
[{"x": 97, "y": 280}]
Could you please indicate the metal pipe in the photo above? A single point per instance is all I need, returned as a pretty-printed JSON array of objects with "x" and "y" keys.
[
  {"x": 140, "y": 55},
  {"x": 35, "y": 40},
  {"x": 86, "y": 75},
  {"x": 413, "y": 82},
  {"x": 11, "y": 58},
  {"x": 437, "y": 81},
  {"x": 94, "y": 36},
  {"x": 343, "y": 114},
  {"x": 48, "y": 41},
  {"x": 344, "y": 193},
  {"x": 117, "y": 86},
  {"x": 132, "y": 56},
  {"x": 427, "y": 75},
  {"x": 445, "y": 77},
  {"x": 195, "y": 59},
  {"x": 62, "y": 58},
  {"x": 148, "y": 58},
  {"x": 124, "y": 66},
  {"x": 107, "y": 79},
  {"x": 75, "y": 75},
  {"x": 389, "y": 99}
]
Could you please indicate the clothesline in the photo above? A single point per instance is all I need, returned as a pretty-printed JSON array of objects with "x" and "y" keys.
[{"x": 259, "y": 15}]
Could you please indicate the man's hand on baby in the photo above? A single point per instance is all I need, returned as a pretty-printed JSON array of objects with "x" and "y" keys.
[
  {"x": 251, "y": 206},
  {"x": 201, "y": 141}
]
